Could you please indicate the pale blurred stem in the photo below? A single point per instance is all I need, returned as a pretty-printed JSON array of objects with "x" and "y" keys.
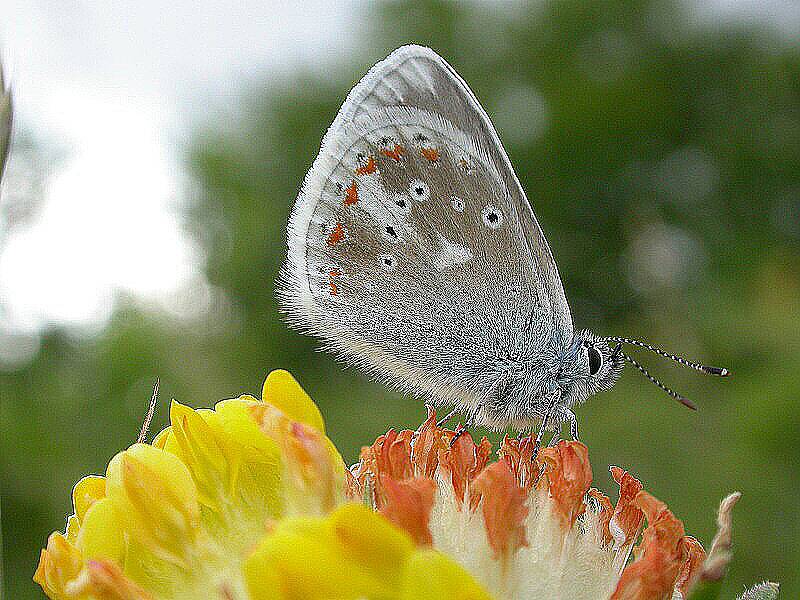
[
  {"x": 149, "y": 416},
  {"x": 5, "y": 137},
  {"x": 709, "y": 580},
  {"x": 5, "y": 122}
]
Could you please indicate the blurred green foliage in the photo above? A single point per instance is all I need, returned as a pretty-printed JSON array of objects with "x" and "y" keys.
[{"x": 662, "y": 156}]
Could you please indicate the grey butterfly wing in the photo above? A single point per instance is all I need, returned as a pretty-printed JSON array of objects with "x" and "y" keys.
[
  {"x": 417, "y": 76},
  {"x": 408, "y": 252}
]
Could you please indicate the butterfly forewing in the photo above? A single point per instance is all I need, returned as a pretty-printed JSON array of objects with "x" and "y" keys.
[
  {"x": 417, "y": 76},
  {"x": 412, "y": 247}
]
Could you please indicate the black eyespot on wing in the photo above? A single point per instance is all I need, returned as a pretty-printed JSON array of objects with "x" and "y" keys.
[
  {"x": 388, "y": 262},
  {"x": 419, "y": 190},
  {"x": 402, "y": 203},
  {"x": 595, "y": 360},
  {"x": 492, "y": 217}
]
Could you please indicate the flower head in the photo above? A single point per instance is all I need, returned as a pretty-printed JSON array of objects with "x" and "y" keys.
[{"x": 252, "y": 500}]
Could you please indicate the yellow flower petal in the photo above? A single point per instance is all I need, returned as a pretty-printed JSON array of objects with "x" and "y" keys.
[
  {"x": 254, "y": 458},
  {"x": 156, "y": 499},
  {"x": 161, "y": 438},
  {"x": 104, "y": 580},
  {"x": 353, "y": 553},
  {"x": 73, "y": 528},
  {"x": 200, "y": 452},
  {"x": 100, "y": 535},
  {"x": 312, "y": 479},
  {"x": 369, "y": 539},
  {"x": 430, "y": 575},
  {"x": 86, "y": 492},
  {"x": 279, "y": 567},
  {"x": 232, "y": 419},
  {"x": 59, "y": 564},
  {"x": 282, "y": 391}
]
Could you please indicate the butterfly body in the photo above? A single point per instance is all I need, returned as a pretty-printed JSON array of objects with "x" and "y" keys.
[{"x": 414, "y": 255}]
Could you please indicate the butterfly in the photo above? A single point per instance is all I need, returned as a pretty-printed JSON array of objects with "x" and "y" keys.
[{"x": 414, "y": 255}]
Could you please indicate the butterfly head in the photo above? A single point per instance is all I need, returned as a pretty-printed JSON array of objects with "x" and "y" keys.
[
  {"x": 591, "y": 365},
  {"x": 597, "y": 363}
]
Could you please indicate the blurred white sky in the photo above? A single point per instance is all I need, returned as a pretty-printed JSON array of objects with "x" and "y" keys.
[{"x": 114, "y": 89}]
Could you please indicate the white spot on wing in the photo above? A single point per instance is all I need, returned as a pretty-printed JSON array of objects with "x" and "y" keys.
[
  {"x": 450, "y": 254},
  {"x": 419, "y": 190}
]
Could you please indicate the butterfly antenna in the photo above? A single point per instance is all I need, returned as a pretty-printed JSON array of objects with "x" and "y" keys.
[
  {"x": 685, "y": 401},
  {"x": 678, "y": 359}
]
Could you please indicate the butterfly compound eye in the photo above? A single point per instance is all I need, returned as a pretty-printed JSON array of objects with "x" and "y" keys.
[
  {"x": 419, "y": 190},
  {"x": 595, "y": 360}
]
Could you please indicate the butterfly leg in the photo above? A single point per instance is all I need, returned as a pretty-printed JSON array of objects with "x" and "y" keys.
[
  {"x": 468, "y": 422},
  {"x": 441, "y": 422},
  {"x": 573, "y": 424},
  {"x": 566, "y": 414},
  {"x": 550, "y": 409},
  {"x": 553, "y": 441}
]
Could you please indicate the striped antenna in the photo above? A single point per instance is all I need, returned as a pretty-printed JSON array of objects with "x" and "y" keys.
[
  {"x": 678, "y": 359},
  {"x": 685, "y": 401}
]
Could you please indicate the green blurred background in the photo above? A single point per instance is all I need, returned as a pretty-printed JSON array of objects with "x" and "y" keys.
[{"x": 661, "y": 152}]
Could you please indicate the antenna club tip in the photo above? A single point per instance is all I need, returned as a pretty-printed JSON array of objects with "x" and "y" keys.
[{"x": 722, "y": 372}]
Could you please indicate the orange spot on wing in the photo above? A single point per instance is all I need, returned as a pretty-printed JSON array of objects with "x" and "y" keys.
[
  {"x": 396, "y": 153},
  {"x": 337, "y": 235},
  {"x": 432, "y": 154},
  {"x": 332, "y": 283},
  {"x": 351, "y": 194},
  {"x": 368, "y": 168}
]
